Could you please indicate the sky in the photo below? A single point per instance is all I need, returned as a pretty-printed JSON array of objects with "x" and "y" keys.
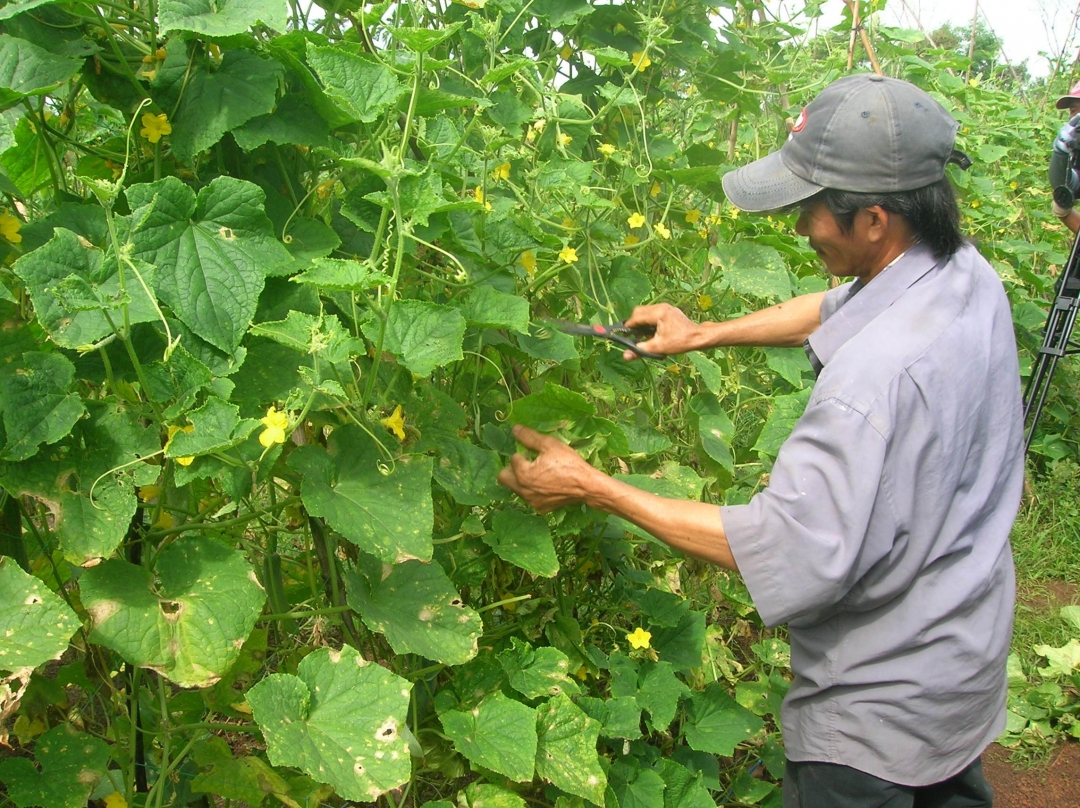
[{"x": 1025, "y": 26}]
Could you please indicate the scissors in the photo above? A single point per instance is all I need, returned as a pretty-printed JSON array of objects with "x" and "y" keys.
[{"x": 619, "y": 333}]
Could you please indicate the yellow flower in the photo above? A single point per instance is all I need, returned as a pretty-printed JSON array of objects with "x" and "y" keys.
[
  {"x": 149, "y": 492},
  {"x": 568, "y": 222},
  {"x": 395, "y": 423},
  {"x": 564, "y": 139},
  {"x": 115, "y": 800},
  {"x": 154, "y": 126},
  {"x": 325, "y": 188},
  {"x": 183, "y": 461},
  {"x": 501, "y": 172},
  {"x": 478, "y": 195},
  {"x": 528, "y": 260},
  {"x": 1012, "y": 185},
  {"x": 568, "y": 254},
  {"x": 607, "y": 149},
  {"x": 975, "y": 203},
  {"x": 630, "y": 240},
  {"x": 639, "y": 638},
  {"x": 275, "y": 423},
  {"x": 164, "y": 521},
  {"x": 693, "y": 216},
  {"x": 661, "y": 230},
  {"x": 566, "y": 52},
  {"x": 655, "y": 190},
  {"x": 641, "y": 60},
  {"x": 734, "y": 213},
  {"x": 539, "y": 125},
  {"x": 704, "y": 302},
  {"x": 10, "y": 227},
  {"x": 636, "y": 220}
]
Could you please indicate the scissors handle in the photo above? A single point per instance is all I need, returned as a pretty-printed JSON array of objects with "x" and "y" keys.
[{"x": 625, "y": 335}]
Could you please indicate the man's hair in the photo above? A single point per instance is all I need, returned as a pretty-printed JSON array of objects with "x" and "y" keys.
[{"x": 930, "y": 211}]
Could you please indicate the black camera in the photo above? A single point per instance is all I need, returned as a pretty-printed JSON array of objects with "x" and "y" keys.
[{"x": 1065, "y": 164}]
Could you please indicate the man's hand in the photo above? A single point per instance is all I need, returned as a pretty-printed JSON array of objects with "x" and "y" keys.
[
  {"x": 557, "y": 477},
  {"x": 675, "y": 332}
]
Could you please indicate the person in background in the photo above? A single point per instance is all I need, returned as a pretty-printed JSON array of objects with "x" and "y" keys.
[
  {"x": 1070, "y": 217},
  {"x": 882, "y": 539}
]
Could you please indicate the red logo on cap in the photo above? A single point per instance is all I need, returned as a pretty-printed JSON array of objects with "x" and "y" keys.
[{"x": 800, "y": 124}]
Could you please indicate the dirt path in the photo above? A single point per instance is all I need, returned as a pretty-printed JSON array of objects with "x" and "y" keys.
[{"x": 1056, "y": 785}]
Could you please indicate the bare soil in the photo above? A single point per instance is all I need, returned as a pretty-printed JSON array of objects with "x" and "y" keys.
[{"x": 1055, "y": 784}]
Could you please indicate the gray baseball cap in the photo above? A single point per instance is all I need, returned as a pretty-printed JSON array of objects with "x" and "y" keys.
[{"x": 864, "y": 133}]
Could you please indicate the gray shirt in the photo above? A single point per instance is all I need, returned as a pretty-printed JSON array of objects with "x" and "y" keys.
[{"x": 883, "y": 537}]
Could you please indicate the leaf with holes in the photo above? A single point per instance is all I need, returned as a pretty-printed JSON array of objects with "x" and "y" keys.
[
  {"x": 189, "y": 622},
  {"x": 339, "y": 720},
  {"x": 566, "y": 749},
  {"x": 423, "y": 335},
  {"x": 418, "y": 610},
  {"x": 390, "y": 516},
  {"x": 72, "y": 764},
  {"x": 498, "y": 734},
  {"x": 35, "y": 624},
  {"x": 211, "y": 251}
]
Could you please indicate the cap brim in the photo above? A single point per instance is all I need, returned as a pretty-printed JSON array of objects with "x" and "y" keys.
[
  {"x": 1066, "y": 101},
  {"x": 765, "y": 185}
]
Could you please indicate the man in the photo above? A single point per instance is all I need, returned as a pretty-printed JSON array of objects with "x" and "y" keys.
[
  {"x": 1070, "y": 217},
  {"x": 882, "y": 539}
]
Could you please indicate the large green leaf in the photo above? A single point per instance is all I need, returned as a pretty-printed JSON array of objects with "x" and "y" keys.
[
  {"x": 523, "y": 539},
  {"x": 566, "y": 749},
  {"x": 90, "y": 529},
  {"x": 246, "y": 779},
  {"x": 187, "y": 622},
  {"x": 684, "y": 789},
  {"x": 423, "y": 335},
  {"x": 219, "y": 18},
  {"x": 537, "y": 672},
  {"x": 340, "y": 720},
  {"x": 244, "y": 87},
  {"x": 659, "y": 692},
  {"x": 38, "y": 405},
  {"x": 753, "y": 270},
  {"x": 416, "y": 606},
  {"x": 468, "y": 472},
  {"x": 637, "y": 788},
  {"x": 389, "y": 516},
  {"x": 75, "y": 289},
  {"x": 715, "y": 429},
  {"x": 785, "y": 413},
  {"x": 293, "y": 122},
  {"x": 552, "y": 408},
  {"x": 26, "y": 70},
  {"x": 717, "y": 723},
  {"x": 359, "y": 86},
  {"x": 35, "y": 623},
  {"x": 681, "y": 645},
  {"x": 72, "y": 764},
  {"x": 489, "y": 308},
  {"x": 498, "y": 734},
  {"x": 212, "y": 252},
  {"x": 216, "y": 426}
]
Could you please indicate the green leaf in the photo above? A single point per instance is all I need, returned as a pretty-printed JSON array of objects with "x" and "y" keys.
[
  {"x": 715, "y": 429},
  {"x": 753, "y": 270},
  {"x": 566, "y": 749},
  {"x": 684, "y": 789},
  {"x": 498, "y": 734},
  {"x": 339, "y": 719},
  {"x": 485, "y": 795},
  {"x": 217, "y": 426},
  {"x": 34, "y": 622},
  {"x": 311, "y": 334},
  {"x": 785, "y": 413},
  {"x": 548, "y": 345},
  {"x": 537, "y": 672},
  {"x": 566, "y": 12},
  {"x": 244, "y": 87},
  {"x": 90, "y": 529},
  {"x": 683, "y": 644},
  {"x": 421, "y": 40},
  {"x": 637, "y": 788},
  {"x": 468, "y": 472},
  {"x": 335, "y": 274},
  {"x": 717, "y": 723},
  {"x": 610, "y": 57},
  {"x": 211, "y": 251},
  {"x": 1061, "y": 661},
  {"x": 37, "y": 405},
  {"x": 711, "y": 374},
  {"x": 489, "y": 308},
  {"x": 659, "y": 692},
  {"x": 552, "y": 408},
  {"x": 27, "y": 70},
  {"x": 188, "y": 622},
  {"x": 423, "y": 335},
  {"x": 13, "y": 9},
  {"x": 247, "y": 779},
  {"x": 389, "y": 516},
  {"x": 294, "y": 122},
  {"x": 51, "y": 271},
  {"x": 221, "y": 18},
  {"x": 619, "y": 717},
  {"x": 991, "y": 153},
  {"x": 360, "y": 87},
  {"x": 524, "y": 540},
  {"x": 72, "y": 764},
  {"x": 416, "y": 606}
]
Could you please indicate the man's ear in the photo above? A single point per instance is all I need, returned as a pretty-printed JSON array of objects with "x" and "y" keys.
[{"x": 875, "y": 223}]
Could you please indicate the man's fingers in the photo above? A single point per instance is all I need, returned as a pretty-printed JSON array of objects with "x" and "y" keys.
[
  {"x": 644, "y": 315},
  {"x": 531, "y": 439},
  {"x": 508, "y": 478}
]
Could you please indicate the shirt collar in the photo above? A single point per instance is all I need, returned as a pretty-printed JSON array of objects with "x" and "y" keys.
[{"x": 866, "y": 301}]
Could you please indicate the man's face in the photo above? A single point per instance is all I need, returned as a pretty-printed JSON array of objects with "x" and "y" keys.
[
  {"x": 1074, "y": 108},
  {"x": 844, "y": 254}
]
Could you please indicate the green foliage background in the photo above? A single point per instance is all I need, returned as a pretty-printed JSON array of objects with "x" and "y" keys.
[{"x": 276, "y": 282}]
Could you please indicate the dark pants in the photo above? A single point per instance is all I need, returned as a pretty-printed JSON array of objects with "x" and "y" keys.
[{"x": 829, "y": 785}]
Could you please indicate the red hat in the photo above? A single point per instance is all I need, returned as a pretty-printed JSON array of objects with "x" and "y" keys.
[{"x": 1066, "y": 100}]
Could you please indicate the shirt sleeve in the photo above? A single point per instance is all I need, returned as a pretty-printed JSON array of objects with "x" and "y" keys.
[
  {"x": 806, "y": 540},
  {"x": 835, "y": 298}
]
